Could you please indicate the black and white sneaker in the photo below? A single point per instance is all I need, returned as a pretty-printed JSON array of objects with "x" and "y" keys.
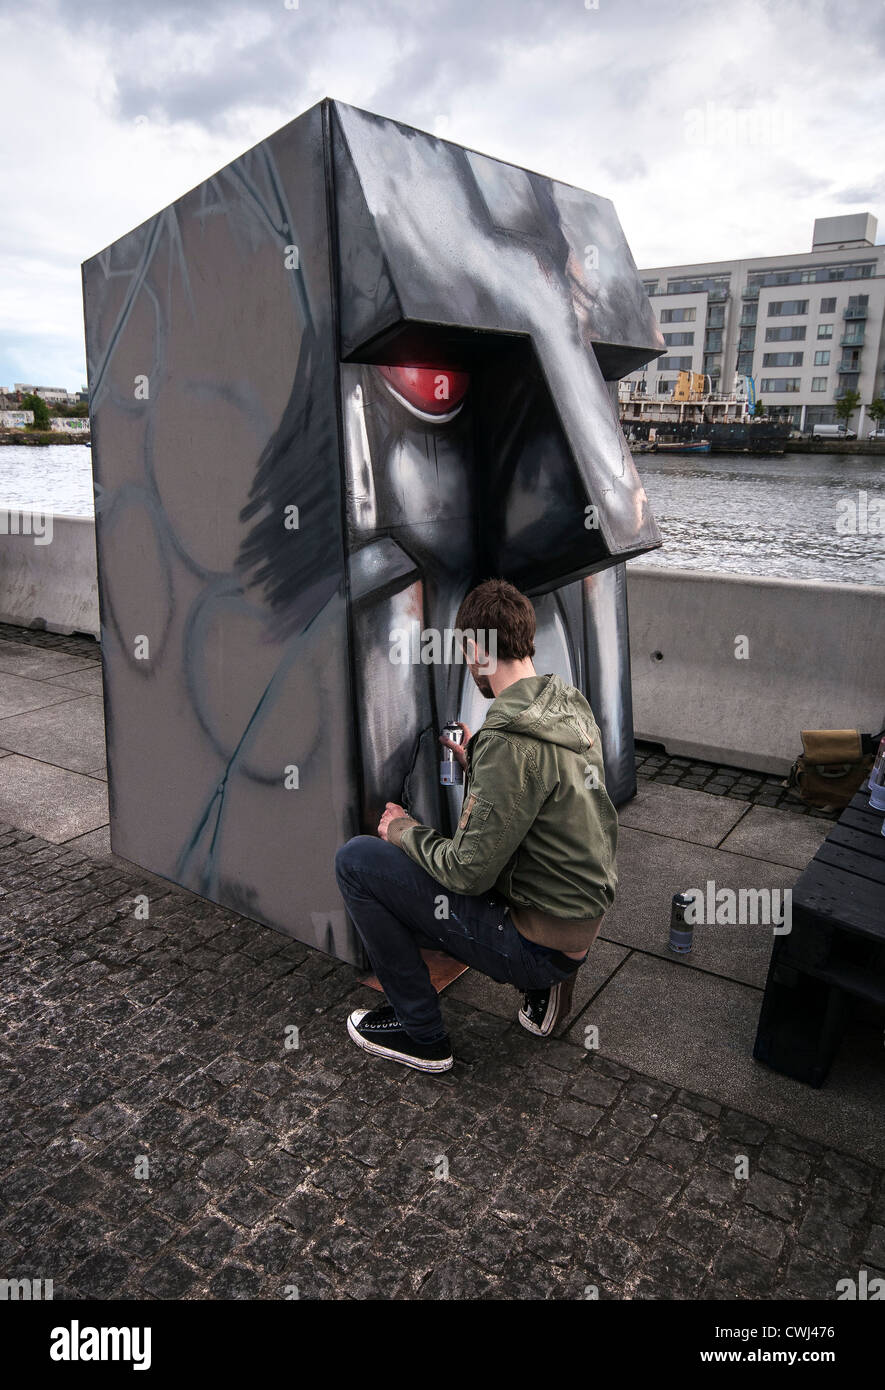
[
  {"x": 378, "y": 1031},
  {"x": 545, "y": 1009}
]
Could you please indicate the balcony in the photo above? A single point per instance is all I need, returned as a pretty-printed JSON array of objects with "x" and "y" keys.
[
  {"x": 855, "y": 312},
  {"x": 851, "y": 338},
  {"x": 717, "y": 296},
  {"x": 750, "y": 292}
]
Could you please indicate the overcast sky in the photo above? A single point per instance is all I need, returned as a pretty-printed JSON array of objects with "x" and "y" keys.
[{"x": 718, "y": 129}]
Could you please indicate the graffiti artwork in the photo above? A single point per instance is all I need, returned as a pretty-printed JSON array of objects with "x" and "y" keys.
[{"x": 352, "y": 374}]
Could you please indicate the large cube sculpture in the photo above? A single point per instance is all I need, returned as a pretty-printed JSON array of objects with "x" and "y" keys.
[{"x": 346, "y": 378}]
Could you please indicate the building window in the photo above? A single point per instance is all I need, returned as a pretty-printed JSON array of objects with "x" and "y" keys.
[
  {"x": 710, "y": 283},
  {"x": 745, "y": 363},
  {"x": 714, "y": 340},
  {"x": 678, "y": 315},
  {"x": 822, "y": 359},
  {"x": 664, "y": 386},
  {"x": 812, "y": 275},
  {"x": 679, "y": 339},
  {"x": 716, "y": 316},
  {"x": 794, "y": 334},
  {"x": 783, "y": 307},
  {"x": 825, "y": 330},
  {"x": 818, "y": 383},
  {"x": 777, "y": 384},
  {"x": 674, "y": 364},
  {"x": 650, "y": 286},
  {"x": 782, "y": 359},
  {"x": 828, "y": 306}
]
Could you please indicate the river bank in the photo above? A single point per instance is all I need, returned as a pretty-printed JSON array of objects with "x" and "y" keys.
[
  {"x": 834, "y": 446},
  {"x": 44, "y": 437}
]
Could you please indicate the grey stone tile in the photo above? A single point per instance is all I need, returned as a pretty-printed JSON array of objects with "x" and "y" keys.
[
  {"x": 50, "y": 801},
  {"x": 504, "y": 1000},
  {"x": 96, "y": 843},
  {"x": 681, "y": 813},
  {"x": 697, "y": 1030},
  {"x": 87, "y": 680},
  {"x": 35, "y": 663},
  {"x": 651, "y": 868},
  {"x": 18, "y": 694},
  {"x": 781, "y": 837},
  {"x": 69, "y": 735}
]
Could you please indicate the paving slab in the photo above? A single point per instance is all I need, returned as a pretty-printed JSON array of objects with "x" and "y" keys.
[
  {"x": 97, "y": 844},
  {"x": 69, "y": 735},
  {"x": 19, "y": 659},
  {"x": 504, "y": 1000},
  {"x": 87, "y": 680},
  {"x": 50, "y": 801},
  {"x": 681, "y": 813},
  {"x": 652, "y": 868},
  {"x": 778, "y": 836},
  {"x": 697, "y": 1030},
  {"x": 19, "y": 693}
]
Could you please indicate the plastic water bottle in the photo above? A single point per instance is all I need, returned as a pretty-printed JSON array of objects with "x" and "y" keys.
[{"x": 877, "y": 779}]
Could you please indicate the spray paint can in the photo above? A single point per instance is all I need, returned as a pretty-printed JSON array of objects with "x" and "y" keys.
[
  {"x": 877, "y": 779},
  {"x": 681, "y": 932},
  {"x": 451, "y": 773}
]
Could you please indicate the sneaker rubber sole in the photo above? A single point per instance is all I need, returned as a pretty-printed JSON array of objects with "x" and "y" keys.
[
  {"x": 392, "y": 1054},
  {"x": 558, "y": 1010}
]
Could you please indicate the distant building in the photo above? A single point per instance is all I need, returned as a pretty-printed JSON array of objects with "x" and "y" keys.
[
  {"x": 54, "y": 395},
  {"x": 806, "y": 327}
]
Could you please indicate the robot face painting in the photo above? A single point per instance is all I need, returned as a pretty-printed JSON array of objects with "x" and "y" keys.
[{"x": 333, "y": 387}]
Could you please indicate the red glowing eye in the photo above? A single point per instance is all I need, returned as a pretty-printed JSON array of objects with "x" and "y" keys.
[{"x": 428, "y": 389}]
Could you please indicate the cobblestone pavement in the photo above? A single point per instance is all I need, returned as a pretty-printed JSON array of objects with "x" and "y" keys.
[
  {"x": 161, "y": 1141},
  {"x": 76, "y": 645},
  {"x": 761, "y": 788}
]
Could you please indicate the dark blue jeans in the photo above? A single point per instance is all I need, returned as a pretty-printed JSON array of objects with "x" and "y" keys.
[{"x": 394, "y": 905}]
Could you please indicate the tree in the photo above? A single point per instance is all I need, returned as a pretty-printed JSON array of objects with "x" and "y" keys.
[
  {"x": 876, "y": 410},
  {"x": 759, "y": 410},
  {"x": 40, "y": 409},
  {"x": 847, "y": 404}
]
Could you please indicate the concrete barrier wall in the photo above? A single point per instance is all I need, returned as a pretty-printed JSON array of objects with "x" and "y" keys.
[
  {"x": 815, "y": 659},
  {"x": 51, "y": 585}
]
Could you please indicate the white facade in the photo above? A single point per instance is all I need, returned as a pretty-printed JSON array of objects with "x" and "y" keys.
[
  {"x": 805, "y": 327},
  {"x": 53, "y": 395}
]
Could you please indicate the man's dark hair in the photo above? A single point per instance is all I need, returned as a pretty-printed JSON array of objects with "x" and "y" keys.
[{"x": 497, "y": 605}]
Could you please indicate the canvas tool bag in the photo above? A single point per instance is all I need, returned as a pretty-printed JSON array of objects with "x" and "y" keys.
[{"x": 832, "y": 767}]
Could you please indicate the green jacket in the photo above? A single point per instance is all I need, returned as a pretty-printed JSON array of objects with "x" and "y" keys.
[{"x": 536, "y": 823}]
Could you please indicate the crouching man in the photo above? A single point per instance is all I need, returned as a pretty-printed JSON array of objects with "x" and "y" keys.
[{"x": 528, "y": 875}]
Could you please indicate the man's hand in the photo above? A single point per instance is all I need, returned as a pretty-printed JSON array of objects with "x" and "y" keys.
[
  {"x": 391, "y": 812},
  {"x": 459, "y": 749}
]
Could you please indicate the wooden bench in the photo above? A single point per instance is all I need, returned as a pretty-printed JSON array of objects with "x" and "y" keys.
[{"x": 834, "y": 957}]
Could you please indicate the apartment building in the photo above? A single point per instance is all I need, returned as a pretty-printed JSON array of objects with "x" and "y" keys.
[{"x": 805, "y": 327}]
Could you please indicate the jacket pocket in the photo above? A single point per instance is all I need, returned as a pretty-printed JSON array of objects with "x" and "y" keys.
[{"x": 474, "y": 814}]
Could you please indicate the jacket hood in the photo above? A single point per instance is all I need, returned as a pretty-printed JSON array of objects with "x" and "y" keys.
[{"x": 545, "y": 708}]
